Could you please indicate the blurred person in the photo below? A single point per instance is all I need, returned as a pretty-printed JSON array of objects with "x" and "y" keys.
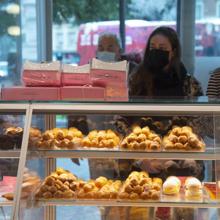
[
  {"x": 213, "y": 90},
  {"x": 109, "y": 50}
]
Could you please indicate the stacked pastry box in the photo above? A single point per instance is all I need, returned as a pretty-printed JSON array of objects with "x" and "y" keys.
[
  {"x": 41, "y": 82},
  {"x": 111, "y": 76},
  {"x": 53, "y": 81},
  {"x": 76, "y": 82}
]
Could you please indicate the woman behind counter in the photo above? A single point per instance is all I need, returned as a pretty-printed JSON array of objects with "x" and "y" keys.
[{"x": 162, "y": 73}]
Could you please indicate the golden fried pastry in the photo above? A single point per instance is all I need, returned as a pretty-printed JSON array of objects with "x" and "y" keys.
[
  {"x": 142, "y": 139},
  {"x": 182, "y": 138},
  {"x": 101, "y": 181},
  {"x": 8, "y": 196},
  {"x": 101, "y": 139},
  {"x": 60, "y": 184},
  {"x": 60, "y": 138},
  {"x": 138, "y": 185}
]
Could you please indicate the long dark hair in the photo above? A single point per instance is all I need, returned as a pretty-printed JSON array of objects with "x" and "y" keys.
[{"x": 141, "y": 83}]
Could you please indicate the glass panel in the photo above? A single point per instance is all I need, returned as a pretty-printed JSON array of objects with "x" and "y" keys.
[
  {"x": 17, "y": 38},
  {"x": 113, "y": 169},
  {"x": 29, "y": 33},
  {"x": 76, "y": 28},
  {"x": 11, "y": 133},
  {"x": 207, "y": 40},
  {"x": 142, "y": 18},
  {"x": 10, "y": 40}
]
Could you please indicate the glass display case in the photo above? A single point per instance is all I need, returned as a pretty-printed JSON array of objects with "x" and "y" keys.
[{"x": 148, "y": 159}]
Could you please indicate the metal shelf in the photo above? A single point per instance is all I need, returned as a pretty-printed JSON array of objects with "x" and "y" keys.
[
  {"x": 9, "y": 153},
  {"x": 6, "y": 203},
  {"x": 125, "y": 203},
  {"x": 126, "y": 108},
  {"x": 122, "y": 154},
  {"x": 13, "y": 107}
]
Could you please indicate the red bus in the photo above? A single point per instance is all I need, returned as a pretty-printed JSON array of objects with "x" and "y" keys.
[{"x": 207, "y": 39}]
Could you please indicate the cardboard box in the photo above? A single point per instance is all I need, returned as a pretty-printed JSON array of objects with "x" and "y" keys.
[
  {"x": 82, "y": 93},
  {"x": 31, "y": 93},
  {"x": 105, "y": 73},
  {"x": 75, "y": 75},
  {"x": 116, "y": 92},
  {"x": 42, "y": 74}
]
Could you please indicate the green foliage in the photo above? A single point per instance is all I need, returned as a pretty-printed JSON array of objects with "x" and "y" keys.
[
  {"x": 85, "y": 10},
  {"x": 6, "y": 20}
]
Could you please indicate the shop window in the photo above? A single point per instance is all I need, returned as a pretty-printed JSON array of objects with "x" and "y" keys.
[
  {"x": 218, "y": 9},
  {"x": 199, "y": 10}
]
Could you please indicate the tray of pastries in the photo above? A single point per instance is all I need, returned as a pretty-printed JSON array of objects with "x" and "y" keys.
[
  {"x": 61, "y": 184},
  {"x": 139, "y": 186},
  {"x": 60, "y": 138},
  {"x": 100, "y": 188},
  {"x": 190, "y": 189},
  {"x": 183, "y": 139},
  {"x": 101, "y": 139},
  {"x": 12, "y": 137},
  {"x": 142, "y": 139}
]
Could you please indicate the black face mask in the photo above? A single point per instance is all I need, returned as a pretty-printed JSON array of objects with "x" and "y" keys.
[{"x": 157, "y": 59}]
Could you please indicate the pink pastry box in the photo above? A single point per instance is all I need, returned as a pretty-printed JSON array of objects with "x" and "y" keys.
[
  {"x": 75, "y": 75},
  {"x": 105, "y": 72},
  {"x": 116, "y": 92},
  {"x": 31, "y": 93},
  {"x": 82, "y": 93},
  {"x": 42, "y": 74}
]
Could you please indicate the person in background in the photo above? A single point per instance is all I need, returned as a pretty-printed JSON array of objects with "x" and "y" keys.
[
  {"x": 109, "y": 50},
  {"x": 213, "y": 90},
  {"x": 161, "y": 73}
]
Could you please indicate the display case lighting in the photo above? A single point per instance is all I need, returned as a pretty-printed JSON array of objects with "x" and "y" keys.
[
  {"x": 14, "y": 30},
  {"x": 13, "y": 9}
]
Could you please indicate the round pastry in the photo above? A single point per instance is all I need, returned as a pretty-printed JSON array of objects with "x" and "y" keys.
[
  {"x": 171, "y": 186},
  {"x": 193, "y": 184}
]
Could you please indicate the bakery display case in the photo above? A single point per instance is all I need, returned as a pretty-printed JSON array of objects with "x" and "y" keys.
[{"x": 113, "y": 159}]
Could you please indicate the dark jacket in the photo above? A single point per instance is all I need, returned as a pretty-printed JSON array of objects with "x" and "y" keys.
[{"x": 167, "y": 84}]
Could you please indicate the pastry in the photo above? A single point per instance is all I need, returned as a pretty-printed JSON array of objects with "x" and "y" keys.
[
  {"x": 141, "y": 139},
  {"x": 171, "y": 186},
  {"x": 182, "y": 138},
  {"x": 8, "y": 196},
  {"x": 139, "y": 185},
  {"x": 60, "y": 138},
  {"x": 101, "y": 139},
  {"x": 193, "y": 188},
  {"x": 60, "y": 184}
]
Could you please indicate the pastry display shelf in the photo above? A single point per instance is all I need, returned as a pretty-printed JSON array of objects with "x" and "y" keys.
[
  {"x": 125, "y": 108},
  {"x": 13, "y": 107},
  {"x": 6, "y": 203},
  {"x": 126, "y": 203},
  {"x": 117, "y": 154},
  {"x": 9, "y": 153}
]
